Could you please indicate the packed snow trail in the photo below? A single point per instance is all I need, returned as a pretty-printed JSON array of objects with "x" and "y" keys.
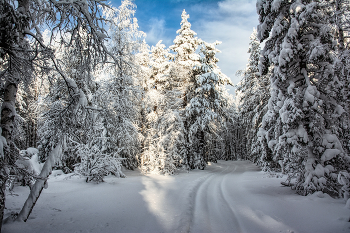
[
  {"x": 211, "y": 209},
  {"x": 232, "y": 196}
]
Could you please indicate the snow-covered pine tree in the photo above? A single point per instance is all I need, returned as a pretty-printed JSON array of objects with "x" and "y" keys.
[
  {"x": 164, "y": 137},
  {"x": 204, "y": 111},
  {"x": 153, "y": 108},
  {"x": 301, "y": 123},
  {"x": 229, "y": 130},
  {"x": 254, "y": 94},
  {"x": 143, "y": 59},
  {"x": 342, "y": 65},
  {"x": 119, "y": 92},
  {"x": 342, "y": 84},
  {"x": 185, "y": 59}
]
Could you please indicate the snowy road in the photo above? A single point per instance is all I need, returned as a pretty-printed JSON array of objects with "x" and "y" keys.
[{"x": 231, "y": 196}]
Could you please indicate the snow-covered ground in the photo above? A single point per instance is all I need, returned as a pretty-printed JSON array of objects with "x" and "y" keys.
[{"x": 232, "y": 196}]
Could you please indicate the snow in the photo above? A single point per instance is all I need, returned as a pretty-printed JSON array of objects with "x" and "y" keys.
[
  {"x": 301, "y": 132},
  {"x": 329, "y": 154},
  {"x": 230, "y": 196},
  {"x": 339, "y": 110},
  {"x": 3, "y": 143},
  {"x": 331, "y": 141},
  {"x": 310, "y": 93},
  {"x": 276, "y": 5},
  {"x": 30, "y": 161}
]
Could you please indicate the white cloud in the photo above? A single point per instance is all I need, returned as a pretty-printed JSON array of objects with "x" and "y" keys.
[
  {"x": 232, "y": 22},
  {"x": 240, "y": 7},
  {"x": 157, "y": 32}
]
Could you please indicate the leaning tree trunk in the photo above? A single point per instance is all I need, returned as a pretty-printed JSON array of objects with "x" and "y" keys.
[{"x": 40, "y": 184}]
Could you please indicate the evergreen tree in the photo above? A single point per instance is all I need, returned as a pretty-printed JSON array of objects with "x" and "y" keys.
[
  {"x": 164, "y": 131},
  {"x": 185, "y": 59},
  {"x": 342, "y": 83},
  {"x": 153, "y": 108},
  {"x": 253, "y": 97},
  {"x": 229, "y": 130},
  {"x": 204, "y": 112},
  {"x": 301, "y": 123}
]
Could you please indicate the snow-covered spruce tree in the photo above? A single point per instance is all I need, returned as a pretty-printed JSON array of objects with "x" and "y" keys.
[
  {"x": 143, "y": 59},
  {"x": 342, "y": 84},
  {"x": 204, "y": 111},
  {"x": 185, "y": 59},
  {"x": 229, "y": 130},
  {"x": 119, "y": 92},
  {"x": 254, "y": 94},
  {"x": 301, "y": 123},
  {"x": 164, "y": 137},
  {"x": 342, "y": 66},
  {"x": 23, "y": 51},
  {"x": 153, "y": 108},
  {"x": 151, "y": 99}
]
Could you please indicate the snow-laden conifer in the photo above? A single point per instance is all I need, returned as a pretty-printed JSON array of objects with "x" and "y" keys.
[
  {"x": 179, "y": 76},
  {"x": 302, "y": 119},
  {"x": 164, "y": 131},
  {"x": 204, "y": 111},
  {"x": 229, "y": 130},
  {"x": 185, "y": 58},
  {"x": 254, "y": 92}
]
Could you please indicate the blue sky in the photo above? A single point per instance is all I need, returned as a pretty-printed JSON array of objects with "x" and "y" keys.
[{"x": 229, "y": 21}]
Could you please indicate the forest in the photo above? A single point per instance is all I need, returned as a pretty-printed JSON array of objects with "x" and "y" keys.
[{"x": 81, "y": 91}]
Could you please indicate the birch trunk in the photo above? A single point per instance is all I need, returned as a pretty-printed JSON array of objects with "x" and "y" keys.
[
  {"x": 39, "y": 185},
  {"x": 8, "y": 113}
]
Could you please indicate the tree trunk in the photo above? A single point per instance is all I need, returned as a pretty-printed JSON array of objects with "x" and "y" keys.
[
  {"x": 339, "y": 25},
  {"x": 39, "y": 184},
  {"x": 3, "y": 179},
  {"x": 8, "y": 113}
]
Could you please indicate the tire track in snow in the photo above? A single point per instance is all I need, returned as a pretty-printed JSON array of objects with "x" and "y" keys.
[
  {"x": 208, "y": 208},
  {"x": 225, "y": 196},
  {"x": 224, "y": 216},
  {"x": 187, "y": 220}
]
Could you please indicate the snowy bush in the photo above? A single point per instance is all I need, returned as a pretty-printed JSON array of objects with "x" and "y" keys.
[{"x": 94, "y": 165}]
